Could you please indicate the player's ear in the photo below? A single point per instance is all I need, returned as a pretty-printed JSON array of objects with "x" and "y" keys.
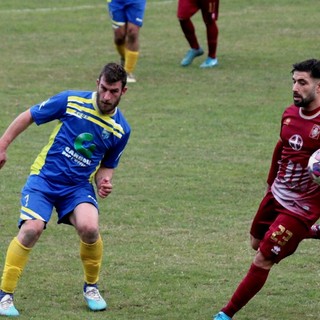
[
  {"x": 124, "y": 90},
  {"x": 318, "y": 87}
]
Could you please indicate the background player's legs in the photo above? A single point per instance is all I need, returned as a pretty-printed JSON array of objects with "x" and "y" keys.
[
  {"x": 212, "y": 32},
  {"x": 190, "y": 34},
  {"x": 119, "y": 41},
  {"x": 186, "y": 9},
  {"x": 131, "y": 50},
  {"x": 126, "y": 40}
]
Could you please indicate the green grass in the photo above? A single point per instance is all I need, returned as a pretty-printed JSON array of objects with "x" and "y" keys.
[{"x": 176, "y": 226}]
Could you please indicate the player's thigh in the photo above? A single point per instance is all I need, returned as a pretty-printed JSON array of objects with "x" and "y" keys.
[
  {"x": 283, "y": 237},
  {"x": 117, "y": 14},
  {"x": 265, "y": 215},
  {"x": 85, "y": 216},
  {"x": 210, "y": 7},
  {"x": 135, "y": 13},
  {"x": 77, "y": 197},
  {"x": 35, "y": 205},
  {"x": 187, "y": 8}
]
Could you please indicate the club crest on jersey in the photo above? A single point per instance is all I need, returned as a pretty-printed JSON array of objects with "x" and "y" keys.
[
  {"x": 287, "y": 121},
  {"x": 315, "y": 132},
  {"x": 105, "y": 134}
]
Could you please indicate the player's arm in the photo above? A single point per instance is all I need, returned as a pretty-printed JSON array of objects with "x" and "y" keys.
[
  {"x": 17, "y": 126},
  {"x": 103, "y": 179},
  {"x": 275, "y": 162}
]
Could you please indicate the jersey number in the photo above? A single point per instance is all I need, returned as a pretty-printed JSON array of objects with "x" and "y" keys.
[{"x": 281, "y": 236}]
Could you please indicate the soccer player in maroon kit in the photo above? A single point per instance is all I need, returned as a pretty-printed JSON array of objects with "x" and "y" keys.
[
  {"x": 291, "y": 205},
  {"x": 209, "y": 10}
]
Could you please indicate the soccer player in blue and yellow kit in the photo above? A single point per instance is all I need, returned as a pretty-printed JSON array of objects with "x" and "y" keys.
[
  {"x": 127, "y": 19},
  {"x": 84, "y": 147}
]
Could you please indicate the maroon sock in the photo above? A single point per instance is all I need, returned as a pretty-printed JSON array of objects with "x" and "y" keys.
[
  {"x": 190, "y": 33},
  {"x": 212, "y": 38},
  {"x": 212, "y": 32},
  {"x": 250, "y": 285}
]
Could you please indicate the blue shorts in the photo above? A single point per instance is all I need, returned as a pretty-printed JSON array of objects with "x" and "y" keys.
[
  {"x": 123, "y": 11},
  {"x": 39, "y": 197}
]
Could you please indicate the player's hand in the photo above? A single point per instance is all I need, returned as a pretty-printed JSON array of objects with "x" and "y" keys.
[{"x": 104, "y": 187}]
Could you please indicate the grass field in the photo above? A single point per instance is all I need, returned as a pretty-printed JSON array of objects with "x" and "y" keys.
[{"x": 176, "y": 226}]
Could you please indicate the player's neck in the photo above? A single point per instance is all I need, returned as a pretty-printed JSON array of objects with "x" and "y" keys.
[{"x": 311, "y": 111}]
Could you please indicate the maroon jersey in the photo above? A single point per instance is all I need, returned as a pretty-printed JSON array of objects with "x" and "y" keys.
[
  {"x": 293, "y": 187},
  {"x": 187, "y": 8}
]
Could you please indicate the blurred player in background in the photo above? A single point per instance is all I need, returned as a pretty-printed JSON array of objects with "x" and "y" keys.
[
  {"x": 84, "y": 147},
  {"x": 291, "y": 205},
  {"x": 127, "y": 19},
  {"x": 210, "y": 11}
]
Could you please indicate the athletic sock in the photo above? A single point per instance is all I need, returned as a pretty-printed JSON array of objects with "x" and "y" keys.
[
  {"x": 247, "y": 289},
  {"x": 91, "y": 257},
  {"x": 190, "y": 34},
  {"x": 212, "y": 38},
  {"x": 121, "y": 50},
  {"x": 131, "y": 60},
  {"x": 16, "y": 259}
]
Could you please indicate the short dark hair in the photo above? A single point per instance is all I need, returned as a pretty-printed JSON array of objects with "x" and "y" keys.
[
  {"x": 114, "y": 72},
  {"x": 312, "y": 66}
]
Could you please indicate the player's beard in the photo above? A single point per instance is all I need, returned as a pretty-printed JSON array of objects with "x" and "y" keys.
[
  {"x": 303, "y": 102},
  {"x": 106, "y": 107}
]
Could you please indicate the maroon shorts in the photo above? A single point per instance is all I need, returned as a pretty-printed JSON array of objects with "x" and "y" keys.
[
  {"x": 280, "y": 231},
  {"x": 187, "y": 8}
]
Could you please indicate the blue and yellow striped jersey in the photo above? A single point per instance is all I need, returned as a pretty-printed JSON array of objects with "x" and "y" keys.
[{"x": 82, "y": 140}]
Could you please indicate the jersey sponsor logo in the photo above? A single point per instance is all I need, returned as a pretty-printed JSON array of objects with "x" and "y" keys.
[
  {"x": 315, "y": 132},
  {"x": 296, "y": 142},
  {"x": 83, "y": 150},
  {"x": 76, "y": 157},
  {"x": 83, "y": 144}
]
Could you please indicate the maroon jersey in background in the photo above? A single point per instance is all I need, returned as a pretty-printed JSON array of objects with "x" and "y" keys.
[{"x": 187, "y": 8}]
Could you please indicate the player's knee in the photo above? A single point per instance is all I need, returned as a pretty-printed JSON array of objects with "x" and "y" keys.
[
  {"x": 30, "y": 232},
  {"x": 89, "y": 234},
  {"x": 120, "y": 36},
  {"x": 255, "y": 243},
  {"x": 262, "y": 262},
  {"x": 132, "y": 33}
]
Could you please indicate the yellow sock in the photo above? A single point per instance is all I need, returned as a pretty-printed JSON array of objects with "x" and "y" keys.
[
  {"x": 121, "y": 50},
  {"x": 16, "y": 259},
  {"x": 91, "y": 257},
  {"x": 131, "y": 60}
]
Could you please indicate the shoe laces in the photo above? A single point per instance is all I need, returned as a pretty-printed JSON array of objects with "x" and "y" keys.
[
  {"x": 6, "y": 302},
  {"x": 93, "y": 293}
]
